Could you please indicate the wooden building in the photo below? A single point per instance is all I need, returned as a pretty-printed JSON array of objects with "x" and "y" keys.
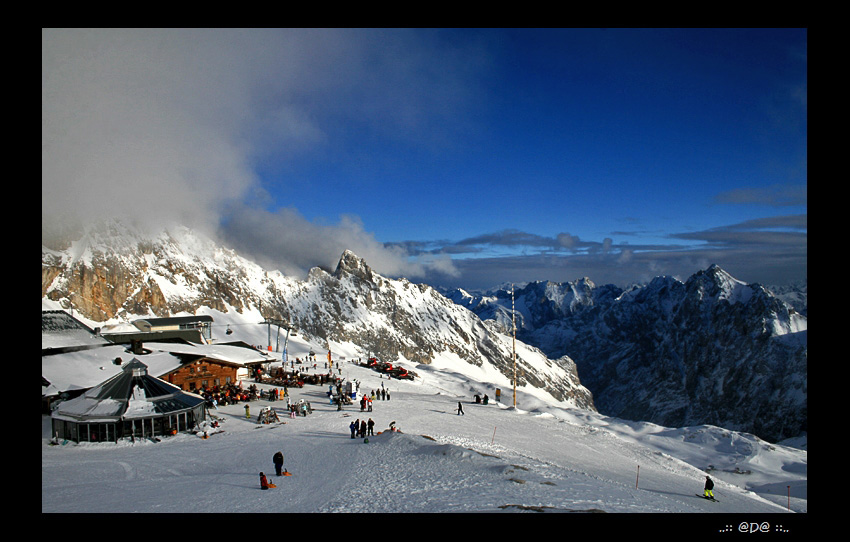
[
  {"x": 76, "y": 358},
  {"x": 210, "y": 365},
  {"x": 130, "y": 404},
  {"x": 204, "y": 373}
]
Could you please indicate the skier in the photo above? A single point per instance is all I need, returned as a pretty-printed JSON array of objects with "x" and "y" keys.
[
  {"x": 353, "y": 427},
  {"x": 247, "y": 412},
  {"x": 278, "y": 462},
  {"x": 709, "y": 486},
  {"x": 370, "y": 426},
  {"x": 460, "y": 409}
]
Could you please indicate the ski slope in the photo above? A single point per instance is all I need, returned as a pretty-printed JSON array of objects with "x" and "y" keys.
[{"x": 494, "y": 458}]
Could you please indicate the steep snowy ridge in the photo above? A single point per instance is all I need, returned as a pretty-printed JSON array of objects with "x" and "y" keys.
[
  {"x": 710, "y": 350},
  {"x": 180, "y": 272}
]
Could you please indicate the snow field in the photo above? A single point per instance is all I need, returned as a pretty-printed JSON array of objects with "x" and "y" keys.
[{"x": 493, "y": 458}]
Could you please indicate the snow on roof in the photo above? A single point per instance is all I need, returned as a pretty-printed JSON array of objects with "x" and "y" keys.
[
  {"x": 84, "y": 369},
  {"x": 132, "y": 393},
  {"x": 176, "y": 320},
  {"x": 229, "y": 353},
  {"x": 61, "y": 330},
  {"x": 93, "y": 409}
]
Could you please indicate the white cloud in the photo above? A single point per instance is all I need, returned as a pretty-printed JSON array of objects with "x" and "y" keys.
[
  {"x": 168, "y": 125},
  {"x": 285, "y": 240}
]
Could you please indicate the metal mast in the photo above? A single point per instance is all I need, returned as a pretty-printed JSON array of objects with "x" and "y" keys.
[
  {"x": 280, "y": 324},
  {"x": 513, "y": 325}
]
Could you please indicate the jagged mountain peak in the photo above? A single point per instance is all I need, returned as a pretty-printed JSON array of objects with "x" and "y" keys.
[
  {"x": 716, "y": 284},
  {"x": 351, "y": 263}
]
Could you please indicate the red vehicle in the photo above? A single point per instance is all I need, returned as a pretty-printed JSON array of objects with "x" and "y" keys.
[{"x": 402, "y": 374}]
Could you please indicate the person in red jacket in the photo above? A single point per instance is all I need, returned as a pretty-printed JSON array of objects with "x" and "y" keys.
[{"x": 264, "y": 484}]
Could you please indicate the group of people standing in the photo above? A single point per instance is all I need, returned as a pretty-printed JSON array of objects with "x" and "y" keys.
[
  {"x": 362, "y": 428},
  {"x": 366, "y": 400}
]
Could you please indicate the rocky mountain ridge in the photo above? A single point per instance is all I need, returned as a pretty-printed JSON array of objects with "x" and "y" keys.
[
  {"x": 710, "y": 350},
  {"x": 114, "y": 273}
]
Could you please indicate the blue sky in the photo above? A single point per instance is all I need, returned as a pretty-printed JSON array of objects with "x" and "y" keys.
[{"x": 458, "y": 157}]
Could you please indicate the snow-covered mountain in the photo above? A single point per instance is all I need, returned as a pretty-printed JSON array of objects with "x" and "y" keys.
[
  {"x": 114, "y": 274},
  {"x": 795, "y": 294},
  {"x": 710, "y": 350}
]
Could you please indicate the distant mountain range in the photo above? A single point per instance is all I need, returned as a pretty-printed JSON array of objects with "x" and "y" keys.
[{"x": 710, "y": 350}]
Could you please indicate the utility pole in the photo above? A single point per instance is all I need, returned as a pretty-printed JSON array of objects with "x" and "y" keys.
[{"x": 513, "y": 325}]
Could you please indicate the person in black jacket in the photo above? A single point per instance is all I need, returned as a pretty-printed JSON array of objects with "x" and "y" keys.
[
  {"x": 709, "y": 486},
  {"x": 278, "y": 462}
]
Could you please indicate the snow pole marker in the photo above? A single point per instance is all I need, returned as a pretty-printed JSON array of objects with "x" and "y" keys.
[
  {"x": 494, "y": 436},
  {"x": 638, "y": 477}
]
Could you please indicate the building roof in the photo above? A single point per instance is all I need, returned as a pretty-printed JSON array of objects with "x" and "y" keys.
[
  {"x": 188, "y": 335},
  {"x": 61, "y": 330},
  {"x": 229, "y": 353},
  {"x": 81, "y": 370},
  {"x": 133, "y": 393},
  {"x": 174, "y": 320}
]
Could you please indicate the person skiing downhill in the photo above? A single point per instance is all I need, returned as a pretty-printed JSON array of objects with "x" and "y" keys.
[
  {"x": 708, "y": 493},
  {"x": 460, "y": 409}
]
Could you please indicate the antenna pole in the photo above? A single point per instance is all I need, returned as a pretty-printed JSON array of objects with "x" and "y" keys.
[{"x": 513, "y": 325}]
